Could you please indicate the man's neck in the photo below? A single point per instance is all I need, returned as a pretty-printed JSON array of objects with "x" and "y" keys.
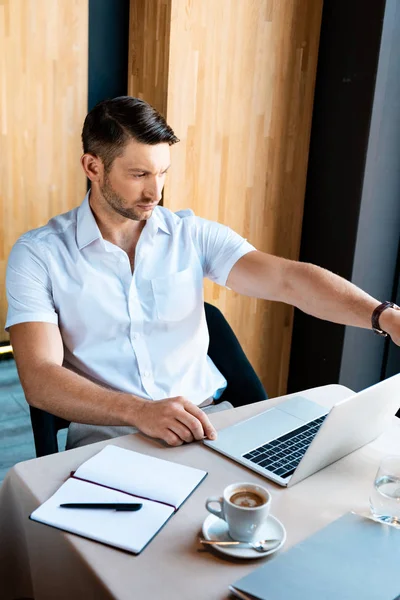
[
  {"x": 117, "y": 229},
  {"x": 125, "y": 235}
]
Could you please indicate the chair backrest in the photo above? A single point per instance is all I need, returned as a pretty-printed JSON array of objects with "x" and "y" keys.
[{"x": 244, "y": 387}]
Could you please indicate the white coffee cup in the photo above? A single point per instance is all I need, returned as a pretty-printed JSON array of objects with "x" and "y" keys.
[{"x": 244, "y": 507}]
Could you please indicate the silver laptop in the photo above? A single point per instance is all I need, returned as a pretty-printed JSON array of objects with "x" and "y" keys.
[{"x": 298, "y": 437}]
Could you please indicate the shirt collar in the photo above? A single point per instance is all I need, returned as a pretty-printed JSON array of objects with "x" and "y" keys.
[
  {"x": 87, "y": 230},
  {"x": 157, "y": 221}
]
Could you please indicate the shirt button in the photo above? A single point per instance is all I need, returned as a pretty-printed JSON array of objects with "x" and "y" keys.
[
  {"x": 146, "y": 374},
  {"x": 136, "y": 335}
]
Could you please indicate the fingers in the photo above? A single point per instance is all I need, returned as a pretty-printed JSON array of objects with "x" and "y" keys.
[
  {"x": 193, "y": 424},
  {"x": 171, "y": 438},
  {"x": 190, "y": 423},
  {"x": 174, "y": 420},
  {"x": 207, "y": 427},
  {"x": 184, "y": 433}
]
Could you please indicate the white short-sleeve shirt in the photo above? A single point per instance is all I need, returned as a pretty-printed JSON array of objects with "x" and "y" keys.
[{"x": 143, "y": 333}]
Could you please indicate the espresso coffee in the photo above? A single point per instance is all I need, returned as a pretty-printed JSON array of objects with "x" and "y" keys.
[{"x": 247, "y": 499}]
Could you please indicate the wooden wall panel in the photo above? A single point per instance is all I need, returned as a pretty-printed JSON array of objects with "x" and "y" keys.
[
  {"x": 148, "y": 63},
  {"x": 240, "y": 89},
  {"x": 43, "y": 102}
]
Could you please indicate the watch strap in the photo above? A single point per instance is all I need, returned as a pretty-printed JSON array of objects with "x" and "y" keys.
[{"x": 377, "y": 313}]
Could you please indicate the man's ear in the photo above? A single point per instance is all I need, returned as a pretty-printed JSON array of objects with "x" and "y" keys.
[{"x": 93, "y": 167}]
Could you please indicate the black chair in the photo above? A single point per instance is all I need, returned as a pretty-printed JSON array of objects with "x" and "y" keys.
[{"x": 244, "y": 387}]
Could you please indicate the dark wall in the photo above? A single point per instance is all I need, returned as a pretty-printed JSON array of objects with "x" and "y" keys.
[
  {"x": 352, "y": 205},
  {"x": 377, "y": 243},
  {"x": 108, "y": 49},
  {"x": 391, "y": 363}
]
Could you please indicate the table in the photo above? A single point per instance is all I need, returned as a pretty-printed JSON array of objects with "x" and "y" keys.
[{"x": 45, "y": 563}]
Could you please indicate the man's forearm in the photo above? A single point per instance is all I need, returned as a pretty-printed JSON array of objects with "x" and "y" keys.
[
  {"x": 327, "y": 296},
  {"x": 68, "y": 395}
]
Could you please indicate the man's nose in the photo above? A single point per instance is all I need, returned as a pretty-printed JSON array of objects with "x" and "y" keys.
[{"x": 154, "y": 187}]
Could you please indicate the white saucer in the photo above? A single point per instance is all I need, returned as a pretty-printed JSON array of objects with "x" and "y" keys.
[{"x": 216, "y": 529}]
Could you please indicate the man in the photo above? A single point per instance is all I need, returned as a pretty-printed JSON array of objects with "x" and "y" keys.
[{"x": 106, "y": 312}]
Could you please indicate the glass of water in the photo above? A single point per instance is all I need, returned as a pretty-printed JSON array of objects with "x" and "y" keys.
[{"x": 385, "y": 496}]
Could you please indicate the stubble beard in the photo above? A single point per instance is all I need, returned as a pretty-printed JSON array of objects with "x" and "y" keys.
[{"x": 116, "y": 203}]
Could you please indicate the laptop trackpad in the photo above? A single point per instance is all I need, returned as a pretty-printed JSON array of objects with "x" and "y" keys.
[
  {"x": 303, "y": 408},
  {"x": 256, "y": 431}
]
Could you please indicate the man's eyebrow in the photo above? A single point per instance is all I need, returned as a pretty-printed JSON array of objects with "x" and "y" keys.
[{"x": 138, "y": 170}]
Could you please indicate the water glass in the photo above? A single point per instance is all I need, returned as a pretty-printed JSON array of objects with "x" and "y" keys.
[{"x": 385, "y": 496}]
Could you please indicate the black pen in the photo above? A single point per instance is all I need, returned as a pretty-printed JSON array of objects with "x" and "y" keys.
[{"x": 103, "y": 505}]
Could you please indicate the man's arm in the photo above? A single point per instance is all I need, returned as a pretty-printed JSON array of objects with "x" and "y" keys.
[
  {"x": 38, "y": 351},
  {"x": 312, "y": 289}
]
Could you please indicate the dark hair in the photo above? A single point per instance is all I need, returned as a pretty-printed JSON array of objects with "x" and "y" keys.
[{"x": 112, "y": 123}]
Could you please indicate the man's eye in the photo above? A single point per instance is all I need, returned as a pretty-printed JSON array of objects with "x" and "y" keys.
[{"x": 138, "y": 175}]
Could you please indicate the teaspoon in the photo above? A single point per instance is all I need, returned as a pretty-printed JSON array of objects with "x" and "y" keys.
[{"x": 261, "y": 546}]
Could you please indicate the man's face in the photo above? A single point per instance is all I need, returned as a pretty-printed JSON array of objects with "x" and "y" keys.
[{"x": 133, "y": 186}]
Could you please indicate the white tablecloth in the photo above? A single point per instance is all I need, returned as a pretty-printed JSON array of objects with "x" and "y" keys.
[{"x": 48, "y": 564}]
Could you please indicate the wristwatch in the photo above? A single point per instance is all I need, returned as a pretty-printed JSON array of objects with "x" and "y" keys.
[{"x": 377, "y": 313}]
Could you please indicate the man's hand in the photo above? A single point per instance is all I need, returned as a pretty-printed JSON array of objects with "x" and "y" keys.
[{"x": 174, "y": 420}]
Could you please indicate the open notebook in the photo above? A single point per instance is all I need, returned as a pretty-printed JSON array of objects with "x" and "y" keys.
[{"x": 119, "y": 475}]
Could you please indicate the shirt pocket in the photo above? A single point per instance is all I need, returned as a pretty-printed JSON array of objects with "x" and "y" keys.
[{"x": 176, "y": 295}]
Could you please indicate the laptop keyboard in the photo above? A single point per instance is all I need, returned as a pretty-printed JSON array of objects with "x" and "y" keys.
[{"x": 282, "y": 455}]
